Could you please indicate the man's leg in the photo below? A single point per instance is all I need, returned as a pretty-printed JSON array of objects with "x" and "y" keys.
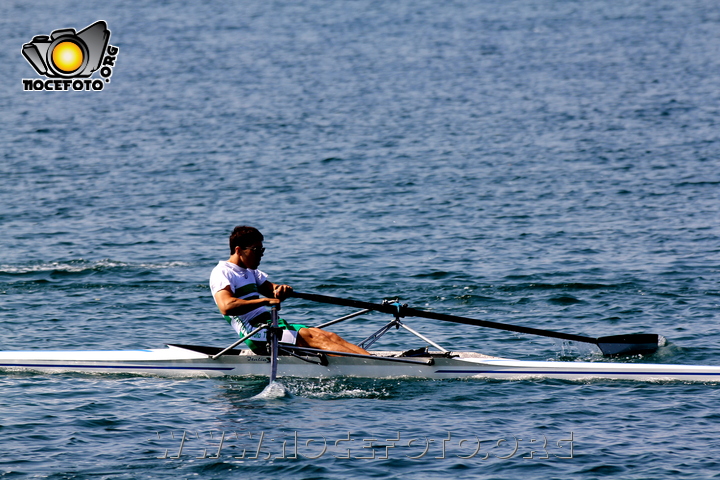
[{"x": 324, "y": 340}]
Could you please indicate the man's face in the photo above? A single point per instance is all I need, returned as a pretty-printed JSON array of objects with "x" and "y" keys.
[{"x": 251, "y": 255}]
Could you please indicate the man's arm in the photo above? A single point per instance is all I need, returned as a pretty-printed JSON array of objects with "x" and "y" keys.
[{"x": 230, "y": 305}]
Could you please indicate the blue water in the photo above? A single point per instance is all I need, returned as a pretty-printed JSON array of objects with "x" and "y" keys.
[{"x": 536, "y": 162}]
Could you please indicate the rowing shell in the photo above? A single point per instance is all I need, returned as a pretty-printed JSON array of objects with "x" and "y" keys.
[{"x": 189, "y": 361}]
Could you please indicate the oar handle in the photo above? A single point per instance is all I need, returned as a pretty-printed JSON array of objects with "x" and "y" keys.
[{"x": 412, "y": 312}]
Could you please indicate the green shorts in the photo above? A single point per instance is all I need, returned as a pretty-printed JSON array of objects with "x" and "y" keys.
[{"x": 295, "y": 327}]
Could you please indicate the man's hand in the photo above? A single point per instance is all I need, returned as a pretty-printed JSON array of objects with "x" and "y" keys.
[{"x": 281, "y": 292}]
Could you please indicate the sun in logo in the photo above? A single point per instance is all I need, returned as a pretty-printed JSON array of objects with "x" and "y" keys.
[{"x": 67, "y": 56}]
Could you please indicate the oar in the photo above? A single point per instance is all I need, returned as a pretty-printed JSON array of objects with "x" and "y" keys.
[
  {"x": 273, "y": 342},
  {"x": 613, "y": 345}
]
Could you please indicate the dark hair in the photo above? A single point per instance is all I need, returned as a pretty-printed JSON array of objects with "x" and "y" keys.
[{"x": 244, "y": 236}]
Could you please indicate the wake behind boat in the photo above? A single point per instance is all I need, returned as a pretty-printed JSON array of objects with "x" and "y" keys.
[{"x": 293, "y": 361}]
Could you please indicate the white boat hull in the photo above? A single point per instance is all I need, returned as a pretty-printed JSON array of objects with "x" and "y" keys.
[{"x": 176, "y": 361}]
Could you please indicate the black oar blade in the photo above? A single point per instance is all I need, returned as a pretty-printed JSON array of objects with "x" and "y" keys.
[{"x": 642, "y": 343}]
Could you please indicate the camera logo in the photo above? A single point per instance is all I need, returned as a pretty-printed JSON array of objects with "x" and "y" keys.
[{"x": 66, "y": 56}]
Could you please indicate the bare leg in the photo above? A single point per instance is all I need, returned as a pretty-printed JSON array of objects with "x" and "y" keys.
[{"x": 324, "y": 340}]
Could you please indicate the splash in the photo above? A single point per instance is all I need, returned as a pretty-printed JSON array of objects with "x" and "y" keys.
[
  {"x": 335, "y": 388},
  {"x": 273, "y": 391}
]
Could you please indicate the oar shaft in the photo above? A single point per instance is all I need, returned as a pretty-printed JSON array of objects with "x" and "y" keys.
[
  {"x": 345, "y": 302},
  {"x": 273, "y": 343},
  {"x": 610, "y": 346},
  {"x": 411, "y": 312}
]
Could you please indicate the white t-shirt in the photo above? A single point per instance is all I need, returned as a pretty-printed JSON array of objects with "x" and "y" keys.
[{"x": 244, "y": 284}]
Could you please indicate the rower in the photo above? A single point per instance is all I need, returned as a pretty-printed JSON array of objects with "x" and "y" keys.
[{"x": 242, "y": 293}]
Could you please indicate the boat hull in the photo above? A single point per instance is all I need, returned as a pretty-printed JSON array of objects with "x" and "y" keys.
[{"x": 189, "y": 361}]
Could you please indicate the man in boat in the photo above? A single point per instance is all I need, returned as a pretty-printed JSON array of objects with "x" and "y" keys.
[{"x": 242, "y": 293}]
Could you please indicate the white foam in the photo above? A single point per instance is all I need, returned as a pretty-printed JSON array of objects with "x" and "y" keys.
[{"x": 272, "y": 391}]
